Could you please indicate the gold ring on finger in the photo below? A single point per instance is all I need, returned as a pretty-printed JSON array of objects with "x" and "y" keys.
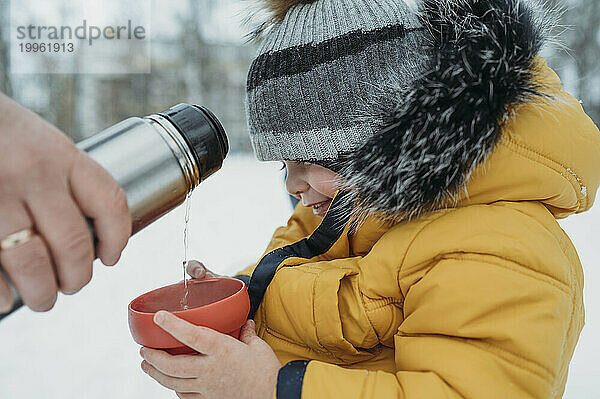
[{"x": 17, "y": 239}]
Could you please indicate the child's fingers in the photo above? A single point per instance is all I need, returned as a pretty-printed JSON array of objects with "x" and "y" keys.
[
  {"x": 177, "y": 384},
  {"x": 248, "y": 333},
  {"x": 196, "y": 269},
  {"x": 183, "y": 395},
  {"x": 202, "y": 339},
  {"x": 181, "y": 366}
]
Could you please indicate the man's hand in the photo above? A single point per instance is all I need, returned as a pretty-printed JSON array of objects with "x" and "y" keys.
[
  {"x": 225, "y": 368},
  {"x": 47, "y": 184}
]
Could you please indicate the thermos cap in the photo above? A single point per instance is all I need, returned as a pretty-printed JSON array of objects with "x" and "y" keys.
[{"x": 203, "y": 133}]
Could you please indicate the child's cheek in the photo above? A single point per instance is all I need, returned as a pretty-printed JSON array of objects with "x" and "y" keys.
[{"x": 328, "y": 185}]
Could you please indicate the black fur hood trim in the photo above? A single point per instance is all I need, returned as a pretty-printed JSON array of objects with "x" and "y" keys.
[{"x": 437, "y": 131}]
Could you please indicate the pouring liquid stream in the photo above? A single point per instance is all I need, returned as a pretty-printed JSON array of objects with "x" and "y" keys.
[{"x": 188, "y": 203}]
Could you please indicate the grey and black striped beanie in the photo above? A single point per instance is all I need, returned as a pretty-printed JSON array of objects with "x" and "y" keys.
[
  {"x": 319, "y": 66},
  {"x": 404, "y": 103}
]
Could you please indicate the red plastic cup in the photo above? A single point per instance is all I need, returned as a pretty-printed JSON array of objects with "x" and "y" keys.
[{"x": 218, "y": 303}]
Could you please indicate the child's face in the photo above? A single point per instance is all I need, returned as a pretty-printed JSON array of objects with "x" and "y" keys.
[{"x": 313, "y": 184}]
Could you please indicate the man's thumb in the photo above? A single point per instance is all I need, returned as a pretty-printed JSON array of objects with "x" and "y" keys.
[{"x": 248, "y": 333}]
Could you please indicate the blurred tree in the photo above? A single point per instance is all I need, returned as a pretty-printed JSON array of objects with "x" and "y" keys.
[
  {"x": 5, "y": 83},
  {"x": 584, "y": 41},
  {"x": 192, "y": 47},
  {"x": 62, "y": 104},
  {"x": 579, "y": 64}
]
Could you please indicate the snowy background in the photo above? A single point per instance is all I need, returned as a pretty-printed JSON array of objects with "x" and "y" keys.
[{"x": 83, "y": 348}]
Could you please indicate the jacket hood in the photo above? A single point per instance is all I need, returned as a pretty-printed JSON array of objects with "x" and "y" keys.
[
  {"x": 548, "y": 152},
  {"x": 487, "y": 122}
]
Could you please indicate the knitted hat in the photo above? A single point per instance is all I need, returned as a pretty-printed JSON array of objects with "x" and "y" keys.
[
  {"x": 316, "y": 70},
  {"x": 403, "y": 102}
]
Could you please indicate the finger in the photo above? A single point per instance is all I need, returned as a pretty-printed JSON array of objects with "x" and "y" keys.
[
  {"x": 195, "y": 269},
  {"x": 202, "y": 339},
  {"x": 6, "y": 300},
  {"x": 105, "y": 202},
  {"x": 183, "y": 395},
  {"x": 248, "y": 333},
  {"x": 185, "y": 385},
  {"x": 198, "y": 271},
  {"x": 181, "y": 366},
  {"x": 60, "y": 222},
  {"x": 28, "y": 265}
]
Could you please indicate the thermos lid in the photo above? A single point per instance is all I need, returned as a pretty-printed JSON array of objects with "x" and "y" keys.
[{"x": 203, "y": 133}]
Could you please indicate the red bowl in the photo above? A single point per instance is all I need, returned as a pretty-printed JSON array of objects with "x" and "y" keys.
[{"x": 218, "y": 303}]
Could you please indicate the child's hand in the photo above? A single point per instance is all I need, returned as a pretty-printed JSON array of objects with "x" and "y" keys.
[
  {"x": 225, "y": 368},
  {"x": 198, "y": 271}
]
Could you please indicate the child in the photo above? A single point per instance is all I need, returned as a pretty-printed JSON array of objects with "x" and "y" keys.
[{"x": 444, "y": 149}]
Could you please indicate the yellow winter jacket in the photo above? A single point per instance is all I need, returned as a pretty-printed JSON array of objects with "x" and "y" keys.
[{"x": 480, "y": 300}]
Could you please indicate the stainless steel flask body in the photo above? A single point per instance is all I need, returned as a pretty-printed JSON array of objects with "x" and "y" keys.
[
  {"x": 150, "y": 165},
  {"x": 157, "y": 159}
]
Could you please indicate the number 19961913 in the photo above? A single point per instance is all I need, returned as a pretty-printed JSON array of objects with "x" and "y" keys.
[{"x": 47, "y": 47}]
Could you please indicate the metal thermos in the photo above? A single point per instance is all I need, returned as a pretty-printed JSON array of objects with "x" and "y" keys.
[{"x": 157, "y": 159}]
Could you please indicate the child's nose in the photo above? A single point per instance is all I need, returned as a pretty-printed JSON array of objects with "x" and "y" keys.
[{"x": 296, "y": 186}]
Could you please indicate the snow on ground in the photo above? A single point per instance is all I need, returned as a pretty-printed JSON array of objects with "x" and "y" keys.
[{"x": 83, "y": 349}]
